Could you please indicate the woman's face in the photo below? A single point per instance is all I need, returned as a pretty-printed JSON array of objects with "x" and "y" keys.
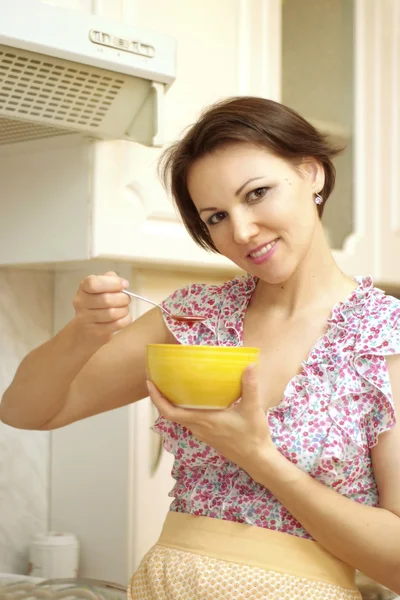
[{"x": 259, "y": 209}]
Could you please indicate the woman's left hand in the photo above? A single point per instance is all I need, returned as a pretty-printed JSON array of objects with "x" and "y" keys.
[{"x": 239, "y": 433}]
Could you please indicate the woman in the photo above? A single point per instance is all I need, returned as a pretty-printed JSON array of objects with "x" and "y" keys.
[{"x": 284, "y": 494}]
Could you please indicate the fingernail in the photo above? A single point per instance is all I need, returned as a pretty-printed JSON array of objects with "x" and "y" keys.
[{"x": 125, "y": 284}]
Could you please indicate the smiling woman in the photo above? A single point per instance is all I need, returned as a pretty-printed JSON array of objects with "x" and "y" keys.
[
  {"x": 246, "y": 122},
  {"x": 266, "y": 226},
  {"x": 286, "y": 493}
]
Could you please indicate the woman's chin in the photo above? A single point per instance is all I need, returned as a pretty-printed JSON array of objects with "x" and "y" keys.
[{"x": 274, "y": 275}]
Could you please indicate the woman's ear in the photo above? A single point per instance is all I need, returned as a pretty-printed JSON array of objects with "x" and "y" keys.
[{"x": 313, "y": 170}]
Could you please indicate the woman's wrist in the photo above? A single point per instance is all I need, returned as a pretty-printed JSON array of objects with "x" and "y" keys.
[{"x": 270, "y": 468}]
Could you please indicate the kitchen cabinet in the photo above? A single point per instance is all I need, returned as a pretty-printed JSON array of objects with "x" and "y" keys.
[
  {"x": 340, "y": 69},
  {"x": 70, "y": 199},
  {"x": 224, "y": 49},
  {"x": 76, "y": 200},
  {"x": 82, "y": 5}
]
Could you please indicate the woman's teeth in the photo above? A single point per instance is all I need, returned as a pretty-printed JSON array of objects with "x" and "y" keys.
[{"x": 263, "y": 250}]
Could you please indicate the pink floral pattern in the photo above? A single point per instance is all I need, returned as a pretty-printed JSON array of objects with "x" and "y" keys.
[{"x": 330, "y": 416}]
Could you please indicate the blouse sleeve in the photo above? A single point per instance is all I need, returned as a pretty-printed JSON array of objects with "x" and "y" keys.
[
  {"x": 183, "y": 301},
  {"x": 380, "y": 341}
]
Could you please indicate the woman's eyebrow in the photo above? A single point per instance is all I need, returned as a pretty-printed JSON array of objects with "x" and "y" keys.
[
  {"x": 248, "y": 181},
  {"x": 211, "y": 208}
]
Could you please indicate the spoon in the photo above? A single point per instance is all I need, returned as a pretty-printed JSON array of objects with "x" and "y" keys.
[{"x": 187, "y": 318}]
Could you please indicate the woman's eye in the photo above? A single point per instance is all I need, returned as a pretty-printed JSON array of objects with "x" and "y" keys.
[
  {"x": 216, "y": 218},
  {"x": 258, "y": 193}
]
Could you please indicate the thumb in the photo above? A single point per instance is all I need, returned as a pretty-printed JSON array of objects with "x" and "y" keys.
[
  {"x": 250, "y": 385},
  {"x": 124, "y": 283}
]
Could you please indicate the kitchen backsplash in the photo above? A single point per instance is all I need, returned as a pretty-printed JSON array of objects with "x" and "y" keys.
[{"x": 26, "y": 320}]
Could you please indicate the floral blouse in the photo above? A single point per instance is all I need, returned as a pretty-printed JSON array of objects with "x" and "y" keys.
[{"x": 330, "y": 416}]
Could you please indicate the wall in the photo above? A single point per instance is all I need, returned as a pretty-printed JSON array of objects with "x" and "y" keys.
[
  {"x": 26, "y": 320},
  {"x": 318, "y": 81}
]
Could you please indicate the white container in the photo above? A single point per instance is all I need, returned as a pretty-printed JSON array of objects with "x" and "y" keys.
[{"x": 54, "y": 555}]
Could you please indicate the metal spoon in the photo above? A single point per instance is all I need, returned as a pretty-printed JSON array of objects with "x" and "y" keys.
[{"x": 188, "y": 318}]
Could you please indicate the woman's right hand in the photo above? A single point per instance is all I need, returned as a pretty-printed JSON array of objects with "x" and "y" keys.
[{"x": 100, "y": 306}]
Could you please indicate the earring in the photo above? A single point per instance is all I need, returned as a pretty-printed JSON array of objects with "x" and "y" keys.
[{"x": 318, "y": 199}]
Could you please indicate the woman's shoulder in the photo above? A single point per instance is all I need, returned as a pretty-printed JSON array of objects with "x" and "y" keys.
[
  {"x": 379, "y": 315},
  {"x": 369, "y": 316}
]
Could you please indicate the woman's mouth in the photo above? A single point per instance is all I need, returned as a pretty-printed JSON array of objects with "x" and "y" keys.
[{"x": 263, "y": 253}]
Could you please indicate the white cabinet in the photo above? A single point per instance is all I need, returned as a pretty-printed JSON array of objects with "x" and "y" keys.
[
  {"x": 74, "y": 199},
  {"x": 82, "y": 5},
  {"x": 340, "y": 69},
  {"x": 223, "y": 50},
  {"x": 92, "y": 473},
  {"x": 78, "y": 200}
]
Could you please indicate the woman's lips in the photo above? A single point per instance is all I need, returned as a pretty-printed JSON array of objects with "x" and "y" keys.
[{"x": 263, "y": 253}]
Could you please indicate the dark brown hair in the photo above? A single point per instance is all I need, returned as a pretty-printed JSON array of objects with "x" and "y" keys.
[{"x": 244, "y": 119}]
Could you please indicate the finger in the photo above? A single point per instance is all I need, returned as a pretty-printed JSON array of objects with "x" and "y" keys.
[
  {"x": 158, "y": 400},
  {"x": 100, "y": 284},
  {"x": 125, "y": 282},
  {"x": 109, "y": 300},
  {"x": 102, "y": 329},
  {"x": 120, "y": 324},
  {"x": 108, "y": 315},
  {"x": 250, "y": 390},
  {"x": 85, "y": 302},
  {"x": 174, "y": 413}
]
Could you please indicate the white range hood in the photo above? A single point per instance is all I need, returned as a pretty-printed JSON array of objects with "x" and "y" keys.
[{"x": 62, "y": 71}]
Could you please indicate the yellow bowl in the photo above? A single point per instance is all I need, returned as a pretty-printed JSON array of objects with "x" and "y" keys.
[{"x": 207, "y": 377}]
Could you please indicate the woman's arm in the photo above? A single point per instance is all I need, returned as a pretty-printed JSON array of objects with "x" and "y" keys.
[
  {"x": 85, "y": 369},
  {"x": 367, "y": 538}
]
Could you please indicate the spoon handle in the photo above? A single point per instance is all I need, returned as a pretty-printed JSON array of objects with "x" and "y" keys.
[{"x": 145, "y": 300}]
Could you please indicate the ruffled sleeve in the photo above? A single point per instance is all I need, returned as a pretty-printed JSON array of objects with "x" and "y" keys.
[
  {"x": 170, "y": 433},
  {"x": 375, "y": 342},
  {"x": 181, "y": 302},
  {"x": 195, "y": 299}
]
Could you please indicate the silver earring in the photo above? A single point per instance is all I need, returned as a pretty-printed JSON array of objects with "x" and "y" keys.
[{"x": 318, "y": 199}]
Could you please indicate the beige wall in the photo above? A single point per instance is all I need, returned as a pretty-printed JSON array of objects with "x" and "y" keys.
[
  {"x": 318, "y": 82},
  {"x": 26, "y": 320}
]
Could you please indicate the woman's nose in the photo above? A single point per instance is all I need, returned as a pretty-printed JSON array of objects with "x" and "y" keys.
[{"x": 243, "y": 230}]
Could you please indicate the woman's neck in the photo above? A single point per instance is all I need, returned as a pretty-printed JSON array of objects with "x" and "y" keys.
[{"x": 317, "y": 282}]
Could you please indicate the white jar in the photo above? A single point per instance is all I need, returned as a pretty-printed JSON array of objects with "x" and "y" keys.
[{"x": 54, "y": 555}]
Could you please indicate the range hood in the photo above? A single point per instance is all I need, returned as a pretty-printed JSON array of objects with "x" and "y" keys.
[{"x": 63, "y": 72}]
